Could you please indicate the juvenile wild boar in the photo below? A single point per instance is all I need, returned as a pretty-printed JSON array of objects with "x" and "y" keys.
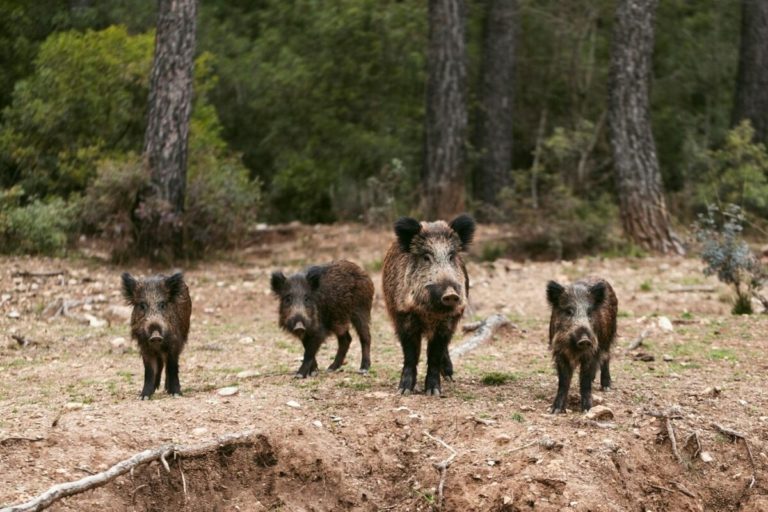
[
  {"x": 426, "y": 289},
  {"x": 324, "y": 300},
  {"x": 160, "y": 324},
  {"x": 582, "y": 329}
]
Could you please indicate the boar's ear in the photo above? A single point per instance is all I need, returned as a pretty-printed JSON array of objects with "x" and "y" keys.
[
  {"x": 129, "y": 287},
  {"x": 554, "y": 291},
  {"x": 277, "y": 282},
  {"x": 464, "y": 226},
  {"x": 174, "y": 284},
  {"x": 313, "y": 277},
  {"x": 405, "y": 229},
  {"x": 598, "y": 292}
]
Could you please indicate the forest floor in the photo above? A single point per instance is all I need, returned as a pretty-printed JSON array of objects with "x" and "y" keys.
[{"x": 69, "y": 388}]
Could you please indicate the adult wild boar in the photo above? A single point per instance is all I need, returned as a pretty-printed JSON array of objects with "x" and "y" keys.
[
  {"x": 160, "y": 324},
  {"x": 426, "y": 289},
  {"x": 324, "y": 300},
  {"x": 582, "y": 329}
]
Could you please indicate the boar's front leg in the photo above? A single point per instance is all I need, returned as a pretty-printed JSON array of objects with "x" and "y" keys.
[
  {"x": 437, "y": 350},
  {"x": 605, "y": 374},
  {"x": 344, "y": 341},
  {"x": 308, "y": 364},
  {"x": 151, "y": 369},
  {"x": 172, "y": 384},
  {"x": 564, "y": 375},
  {"x": 586, "y": 377},
  {"x": 408, "y": 330},
  {"x": 446, "y": 368}
]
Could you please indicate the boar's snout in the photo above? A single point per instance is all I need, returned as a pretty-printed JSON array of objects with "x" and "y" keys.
[
  {"x": 450, "y": 298},
  {"x": 296, "y": 325},
  {"x": 298, "y": 328},
  {"x": 583, "y": 338},
  {"x": 444, "y": 295},
  {"x": 155, "y": 333}
]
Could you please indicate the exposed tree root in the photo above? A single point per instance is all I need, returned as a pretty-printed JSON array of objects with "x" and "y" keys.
[{"x": 484, "y": 331}]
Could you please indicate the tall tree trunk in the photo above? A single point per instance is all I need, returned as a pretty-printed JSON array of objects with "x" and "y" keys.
[
  {"x": 751, "y": 101},
  {"x": 446, "y": 123},
  {"x": 495, "y": 130},
  {"x": 166, "y": 138},
  {"x": 643, "y": 210}
]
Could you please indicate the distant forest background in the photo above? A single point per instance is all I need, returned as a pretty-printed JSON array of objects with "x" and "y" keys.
[{"x": 316, "y": 110}]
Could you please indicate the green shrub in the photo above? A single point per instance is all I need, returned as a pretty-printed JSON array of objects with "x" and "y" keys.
[
  {"x": 40, "y": 227},
  {"x": 498, "y": 378}
]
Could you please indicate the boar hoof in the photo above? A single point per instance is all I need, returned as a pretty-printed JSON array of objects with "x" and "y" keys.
[
  {"x": 176, "y": 395},
  {"x": 605, "y": 388},
  {"x": 313, "y": 373},
  {"x": 363, "y": 371},
  {"x": 299, "y": 375},
  {"x": 333, "y": 368},
  {"x": 433, "y": 392},
  {"x": 144, "y": 397},
  {"x": 557, "y": 410},
  {"x": 404, "y": 392}
]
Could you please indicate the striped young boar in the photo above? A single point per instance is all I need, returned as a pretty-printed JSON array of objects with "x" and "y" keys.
[
  {"x": 322, "y": 301},
  {"x": 160, "y": 325},
  {"x": 426, "y": 289},
  {"x": 582, "y": 329}
]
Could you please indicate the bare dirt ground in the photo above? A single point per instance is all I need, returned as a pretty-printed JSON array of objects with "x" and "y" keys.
[{"x": 68, "y": 395}]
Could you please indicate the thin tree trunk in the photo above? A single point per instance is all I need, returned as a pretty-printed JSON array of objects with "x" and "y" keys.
[
  {"x": 495, "y": 131},
  {"x": 446, "y": 123},
  {"x": 643, "y": 210},
  {"x": 751, "y": 101},
  {"x": 166, "y": 138}
]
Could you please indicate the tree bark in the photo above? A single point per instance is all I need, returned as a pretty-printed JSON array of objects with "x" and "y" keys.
[
  {"x": 751, "y": 101},
  {"x": 644, "y": 213},
  {"x": 166, "y": 138},
  {"x": 443, "y": 177},
  {"x": 497, "y": 87}
]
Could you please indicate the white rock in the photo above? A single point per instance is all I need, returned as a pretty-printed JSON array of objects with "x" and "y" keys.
[
  {"x": 318, "y": 423},
  {"x": 118, "y": 343},
  {"x": 247, "y": 374},
  {"x": 94, "y": 321},
  {"x": 74, "y": 406},
  {"x": 667, "y": 358},
  {"x": 665, "y": 324},
  {"x": 706, "y": 457},
  {"x": 199, "y": 431},
  {"x": 503, "y": 439},
  {"x": 14, "y": 314},
  {"x": 293, "y": 403},
  {"x": 599, "y": 412},
  {"x": 228, "y": 391},
  {"x": 246, "y": 340}
]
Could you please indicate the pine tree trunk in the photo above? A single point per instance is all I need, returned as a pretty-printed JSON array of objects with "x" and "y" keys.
[
  {"x": 166, "y": 138},
  {"x": 446, "y": 123},
  {"x": 495, "y": 130},
  {"x": 643, "y": 210},
  {"x": 751, "y": 101}
]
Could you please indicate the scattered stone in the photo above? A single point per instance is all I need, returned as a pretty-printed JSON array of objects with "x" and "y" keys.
[
  {"x": 644, "y": 357},
  {"x": 318, "y": 423},
  {"x": 228, "y": 391},
  {"x": 118, "y": 344},
  {"x": 503, "y": 439},
  {"x": 94, "y": 321},
  {"x": 743, "y": 402},
  {"x": 712, "y": 391},
  {"x": 548, "y": 443},
  {"x": 668, "y": 358},
  {"x": 599, "y": 413},
  {"x": 597, "y": 399},
  {"x": 247, "y": 374},
  {"x": 665, "y": 324},
  {"x": 259, "y": 507},
  {"x": 293, "y": 404},
  {"x": 199, "y": 431},
  {"x": 377, "y": 394},
  {"x": 74, "y": 406},
  {"x": 118, "y": 314},
  {"x": 506, "y": 500},
  {"x": 246, "y": 340},
  {"x": 610, "y": 444},
  {"x": 706, "y": 457},
  {"x": 14, "y": 314}
]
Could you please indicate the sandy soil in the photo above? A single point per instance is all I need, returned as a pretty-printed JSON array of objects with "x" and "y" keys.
[{"x": 68, "y": 394}]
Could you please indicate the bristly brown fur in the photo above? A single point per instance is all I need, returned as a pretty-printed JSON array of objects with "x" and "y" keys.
[
  {"x": 426, "y": 289},
  {"x": 582, "y": 330}
]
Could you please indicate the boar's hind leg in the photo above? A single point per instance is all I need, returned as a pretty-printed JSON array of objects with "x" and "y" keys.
[
  {"x": 362, "y": 326},
  {"x": 150, "y": 370},
  {"x": 159, "y": 373},
  {"x": 605, "y": 374},
  {"x": 446, "y": 368},
  {"x": 564, "y": 374},
  {"x": 172, "y": 384},
  {"x": 436, "y": 352},
  {"x": 586, "y": 377},
  {"x": 309, "y": 363},
  {"x": 344, "y": 341},
  {"x": 409, "y": 332}
]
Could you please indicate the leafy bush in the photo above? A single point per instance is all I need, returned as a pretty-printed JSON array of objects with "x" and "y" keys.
[
  {"x": 40, "y": 227},
  {"x": 727, "y": 255}
]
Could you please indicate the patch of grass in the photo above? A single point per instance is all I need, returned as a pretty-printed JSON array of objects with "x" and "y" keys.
[
  {"x": 623, "y": 313},
  {"x": 373, "y": 266},
  {"x": 498, "y": 378},
  {"x": 686, "y": 315},
  {"x": 742, "y": 305},
  {"x": 467, "y": 396},
  {"x": 357, "y": 385},
  {"x": 491, "y": 251},
  {"x": 722, "y": 354},
  {"x": 646, "y": 286},
  {"x": 518, "y": 417},
  {"x": 127, "y": 376}
]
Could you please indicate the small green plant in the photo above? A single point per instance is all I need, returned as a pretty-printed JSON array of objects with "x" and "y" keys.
[
  {"x": 498, "y": 378},
  {"x": 728, "y": 256},
  {"x": 518, "y": 417},
  {"x": 492, "y": 251},
  {"x": 646, "y": 286}
]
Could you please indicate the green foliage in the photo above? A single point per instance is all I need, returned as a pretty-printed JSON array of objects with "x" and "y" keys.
[
  {"x": 498, "y": 378},
  {"x": 39, "y": 227},
  {"x": 727, "y": 255}
]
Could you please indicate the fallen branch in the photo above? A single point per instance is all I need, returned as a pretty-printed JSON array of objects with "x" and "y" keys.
[
  {"x": 692, "y": 289},
  {"x": 26, "y": 273},
  {"x": 22, "y": 341},
  {"x": 639, "y": 340},
  {"x": 484, "y": 332},
  {"x": 441, "y": 467},
  {"x": 671, "y": 435},
  {"x": 64, "y": 490},
  {"x": 669, "y": 415},
  {"x": 734, "y": 435},
  {"x": 680, "y": 487},
  {"x": 12, "y": 440}
]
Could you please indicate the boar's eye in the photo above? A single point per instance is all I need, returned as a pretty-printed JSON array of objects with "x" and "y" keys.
[
  {"x": 426, "y": 257},
  {"x": 161, "y": 305},
  {"x": 570, "y": 311},
  {"x": 306, "y": 299},
  {"x": 287, "y": 299},
  {"x": 452, "y": 255},
  {"x": 142, "y": 307}
]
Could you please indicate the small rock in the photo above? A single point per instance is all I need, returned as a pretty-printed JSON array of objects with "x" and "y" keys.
[
  {"x": 491, "y": 462},
  {"x": 665, "y": 324},
  {"x": 599, "y": 413},
  {"x": 712, "y": 391},
  {"x": 667, "y": 358},
  {"x": 74, "y": 406},
  {"x": 246, "y": 340},
  {"x": 199, "y": 431},
  {"x": 506, "y": 500},
  {"x": 247, "y": 374},
  {"x": 743, "y": 402},
  {"x": 208, "y": 310},
  {"x": 293, "y": 404},
  {"x": 14, "y": 314},
  {"x": 228, "y": 391},
  {"x": 706, "y": 457},
  {"x": 118, "y": 344},
  {"x": 644, "y": 357},
  {"x": 377, "y": 394},
  {"x": 118, "y": 314},
  {"x": 318, "y": 423},
  {"x": 259, "y": 507},
  {"x": 503, "y": 439},
  {"x": 597, "y": 399},
  {"x": 610, "y": 444},
  {"x": 94, "y": 321}
]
